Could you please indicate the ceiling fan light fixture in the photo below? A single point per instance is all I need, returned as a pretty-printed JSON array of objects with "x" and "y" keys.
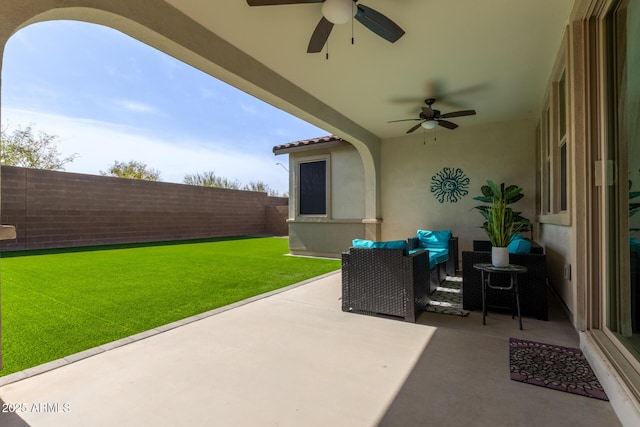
[
  {"x": 339, "y": 11},
  {"x": 429, "y": 124}
]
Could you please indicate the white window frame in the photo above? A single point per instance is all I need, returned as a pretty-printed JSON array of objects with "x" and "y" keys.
[{"x": 552, "y": 140}]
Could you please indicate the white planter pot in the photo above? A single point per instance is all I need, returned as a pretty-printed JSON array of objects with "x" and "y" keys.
[{"x": 499, "y": 256}]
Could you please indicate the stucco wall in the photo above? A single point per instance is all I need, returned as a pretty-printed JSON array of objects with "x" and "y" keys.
[
  {"x": 347, "y": 195},
  {"x": 502, "y": 152},
  {"x": 57, "y": 209},
  {"x": 557, "y": 242},
  {"x": 326, "y": 239},
  {"x": 330, "y": 235}
]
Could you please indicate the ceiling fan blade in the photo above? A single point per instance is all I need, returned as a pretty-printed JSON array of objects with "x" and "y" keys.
[
  {"x": 320, "y": 36},
  {"x": 403, "y": 120},
  {"x": 414, "y": 128},
  {"x": 379, "y": 24},
  {"x": 459, "y": 114},
  {"x": 428, "y": 112},
  {"x": 278, "y": 2},
  {"x": 446, "y": 124}
]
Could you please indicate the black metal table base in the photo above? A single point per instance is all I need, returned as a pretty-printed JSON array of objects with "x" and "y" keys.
[{"x": 513, "y": 270}]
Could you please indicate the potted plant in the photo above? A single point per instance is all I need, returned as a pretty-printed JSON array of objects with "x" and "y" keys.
[{"x": 502, "y": 223}]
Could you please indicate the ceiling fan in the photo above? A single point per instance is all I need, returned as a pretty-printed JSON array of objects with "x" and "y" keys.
[
  {"x": 340, "y": 12},
  {"x": 430, "y": 118}
]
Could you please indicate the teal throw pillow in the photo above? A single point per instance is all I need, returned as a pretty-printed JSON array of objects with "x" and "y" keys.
[
  {"x": 361, "y": 243},
  {"x": 519, "y": 245},
  {"x": 438, "y": 239}
]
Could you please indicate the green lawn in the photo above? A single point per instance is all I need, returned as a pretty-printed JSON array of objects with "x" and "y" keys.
[{"x": 59, "y": 302}]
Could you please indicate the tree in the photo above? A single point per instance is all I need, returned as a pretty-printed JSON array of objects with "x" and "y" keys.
[
  {"x": 25, "y": 149},
  {"x": 210, "y": 179},
  {"x": 132, "y": 169},
  {"x": 262, "y": 187}
]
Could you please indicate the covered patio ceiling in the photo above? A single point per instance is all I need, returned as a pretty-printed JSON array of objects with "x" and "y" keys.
[{"x": 493, "y": 56}]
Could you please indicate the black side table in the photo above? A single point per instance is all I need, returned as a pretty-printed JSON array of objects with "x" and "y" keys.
[{"x": 512, "y": 269}]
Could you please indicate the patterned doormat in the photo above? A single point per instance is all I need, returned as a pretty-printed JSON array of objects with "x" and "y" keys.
[
  {"x": 552, "y": 366},
  {"x": 447, "y": 298}
]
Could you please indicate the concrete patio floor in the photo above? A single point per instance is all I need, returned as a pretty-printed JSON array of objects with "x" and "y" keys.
[{"x": 295, "y": 359}]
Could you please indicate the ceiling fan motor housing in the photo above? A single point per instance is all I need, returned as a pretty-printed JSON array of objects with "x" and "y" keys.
[{"x": 339, "y": 11}]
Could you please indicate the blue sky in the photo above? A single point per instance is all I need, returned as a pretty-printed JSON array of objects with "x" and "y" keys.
[{"x": 109, "y": 97}]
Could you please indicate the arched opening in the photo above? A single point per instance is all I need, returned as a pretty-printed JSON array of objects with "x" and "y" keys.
[{"x": 109, "y": 97}]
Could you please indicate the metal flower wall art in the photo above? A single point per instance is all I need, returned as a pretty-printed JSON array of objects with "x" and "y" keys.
[{"x": 450, "y": 185}]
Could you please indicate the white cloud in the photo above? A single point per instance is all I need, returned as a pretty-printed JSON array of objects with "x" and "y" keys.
[
  {"x": 99, "y": 144},
  {"x": 135, "y": 107},
  {"x": 249, "y": 109}
]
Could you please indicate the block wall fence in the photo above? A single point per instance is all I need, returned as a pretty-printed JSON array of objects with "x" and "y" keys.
[{"x": 52, "y": 209}]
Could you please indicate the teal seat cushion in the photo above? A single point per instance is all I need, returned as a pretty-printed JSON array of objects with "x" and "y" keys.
[
  {"x": 434, "y": 239},
  {"x": 437, "y": 257},
  {"x": 635, "y": 245},
  {"x": 519, "y": 245},
  {"x": 391, "y": 244}
]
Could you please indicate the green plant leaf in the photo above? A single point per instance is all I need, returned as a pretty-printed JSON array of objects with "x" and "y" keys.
[
  {"x": 495, "y": 190},
  {"x": 486, "y": 191},
  {"x": 513, "y": 193},
  {"x": 514, "y": 198},
  {"x": 485, "y": 199}
]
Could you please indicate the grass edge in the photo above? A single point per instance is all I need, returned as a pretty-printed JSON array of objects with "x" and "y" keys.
[{"x": 76, "y": 357}]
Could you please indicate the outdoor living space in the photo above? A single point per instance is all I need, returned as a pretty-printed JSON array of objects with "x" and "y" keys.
[
  {"x": 293, "y": 358},
  {"x": 541, "y": 95}
]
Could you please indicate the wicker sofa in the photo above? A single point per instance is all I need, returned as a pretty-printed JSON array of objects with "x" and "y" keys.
[
  {"x": 385, "y": 282},
  {"x": 532, "y": 284}
]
